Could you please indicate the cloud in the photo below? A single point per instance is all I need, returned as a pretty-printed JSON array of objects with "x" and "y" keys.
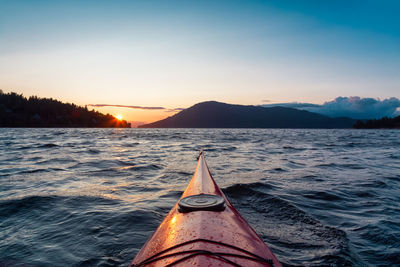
[
  {"x": 123, "y": 106},
  {"x": 353, "y": 107},
  {"x": 360, "y": 108},
  {"x": 292, "y": 105},
  {"x": 174, "y": 109},
  {"x": 138, "y": 107}
]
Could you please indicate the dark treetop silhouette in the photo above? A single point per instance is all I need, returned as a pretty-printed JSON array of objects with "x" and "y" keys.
[
  {"x": 19, "y": 111},
  {"x": 384, "y": 123}
]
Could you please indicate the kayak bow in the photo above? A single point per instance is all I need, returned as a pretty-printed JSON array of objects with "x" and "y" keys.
[{"x": 204, "y": 229}]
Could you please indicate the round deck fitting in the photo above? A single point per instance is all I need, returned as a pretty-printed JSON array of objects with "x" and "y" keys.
[{"x": 202, "y": 202}]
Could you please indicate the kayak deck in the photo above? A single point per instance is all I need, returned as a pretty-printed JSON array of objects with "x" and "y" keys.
[{"x": 204, "y": 237}]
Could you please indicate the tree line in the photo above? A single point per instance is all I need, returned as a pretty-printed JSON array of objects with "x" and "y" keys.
[
  {"x": 19, "y": 111},
  {"x": 384, "y": 123}
]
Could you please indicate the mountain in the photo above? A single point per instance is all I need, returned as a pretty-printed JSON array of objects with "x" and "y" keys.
[
  {"x": 19, "y": 111},
  {"x": 213, "y": 114}
]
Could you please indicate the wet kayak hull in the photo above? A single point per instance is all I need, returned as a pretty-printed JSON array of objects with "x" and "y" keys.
[{"x": 204, "y": 237}]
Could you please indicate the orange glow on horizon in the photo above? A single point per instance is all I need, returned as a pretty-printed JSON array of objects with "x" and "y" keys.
[{"x": 135, "y": 116}]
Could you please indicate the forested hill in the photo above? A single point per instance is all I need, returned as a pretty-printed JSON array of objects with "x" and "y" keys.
[
  {"x": 384, "y": 123},
  {"x": 19, "y": 111},
  {"x": 213, "y": 114}
]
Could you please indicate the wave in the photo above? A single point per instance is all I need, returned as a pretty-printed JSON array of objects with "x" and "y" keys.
[
  {"x": 322, "y": 195},
  {"x": 293, "y": 148},
  {"x": 49, "y": 145},
  {"x": 72, "y": 230},
  {"x": 37, "y": 202},
  {"x": 286, "y": 227},
  {"x": 319, "y": 197},
  {"x": 40, "y": 170}
]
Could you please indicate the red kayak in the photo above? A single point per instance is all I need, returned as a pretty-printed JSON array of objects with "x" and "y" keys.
[{"x": 204, "y": 229}]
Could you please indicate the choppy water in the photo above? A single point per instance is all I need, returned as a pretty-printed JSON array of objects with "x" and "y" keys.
[{"x": 92, "y": 197}]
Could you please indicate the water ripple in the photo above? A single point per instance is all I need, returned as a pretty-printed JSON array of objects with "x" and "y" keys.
[{"x": 92, "y": 197}]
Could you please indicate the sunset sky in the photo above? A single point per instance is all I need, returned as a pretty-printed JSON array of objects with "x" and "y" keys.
[{"x": 165, "y": 55}]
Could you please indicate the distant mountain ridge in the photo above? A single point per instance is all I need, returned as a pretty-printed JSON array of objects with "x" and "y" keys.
[{"x": 212, "y": 114}]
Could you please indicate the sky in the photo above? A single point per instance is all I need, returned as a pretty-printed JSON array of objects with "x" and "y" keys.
[{"x": 152, "y": 58}]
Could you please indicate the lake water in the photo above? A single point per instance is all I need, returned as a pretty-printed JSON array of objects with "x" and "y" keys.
[{"x": 92, "y": 197}]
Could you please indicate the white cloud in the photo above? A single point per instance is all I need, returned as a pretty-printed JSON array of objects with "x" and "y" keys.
[{"x": 353, "y": 107}]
